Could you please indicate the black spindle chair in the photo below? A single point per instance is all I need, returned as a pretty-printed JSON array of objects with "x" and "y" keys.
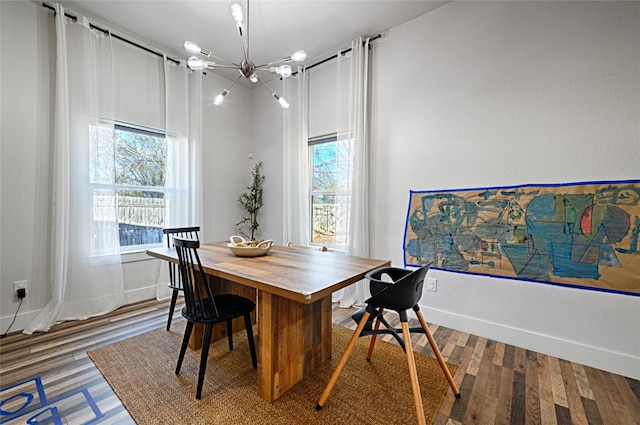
[
  {"x": 175, "y": 282},
  {"x": 201, "y": 306}
]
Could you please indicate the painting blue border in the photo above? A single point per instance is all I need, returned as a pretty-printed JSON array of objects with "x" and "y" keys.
[{"x": 521, "y": 186}]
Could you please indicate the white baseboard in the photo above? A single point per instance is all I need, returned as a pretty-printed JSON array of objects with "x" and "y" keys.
[
  {"x": 599, "y": 358},
  {"x": 24, "y": 318},
  {"x": 139, "y": 294}
]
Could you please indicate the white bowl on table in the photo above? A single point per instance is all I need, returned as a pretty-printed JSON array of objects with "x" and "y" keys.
[{"x": 243, "y": 248}]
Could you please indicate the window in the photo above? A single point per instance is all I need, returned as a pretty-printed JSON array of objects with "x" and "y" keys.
[
  {"x": 127, "y": 171},
  {"x": 331, "y": 161}
]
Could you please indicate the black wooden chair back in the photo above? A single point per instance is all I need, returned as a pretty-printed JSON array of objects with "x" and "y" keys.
[
  {"x": 175, "y": 281},
  {"x": 199, "y": 301}
]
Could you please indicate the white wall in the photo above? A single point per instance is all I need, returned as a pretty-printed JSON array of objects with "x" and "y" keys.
[
  {"x": 480, "y": 94},
  {"x": 507, "y": 93},
  {"x": 266, "y": 142},
  {"x": 138, "y": 86},
  {"x": 27, "y": 76},
  {"x": 25, "y": 125},
  {"x": 323, "y": 92},
  {"x": 226, "y": 134}
]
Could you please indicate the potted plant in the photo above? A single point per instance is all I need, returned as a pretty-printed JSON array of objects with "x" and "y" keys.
[{"x": 251, "y": 202}]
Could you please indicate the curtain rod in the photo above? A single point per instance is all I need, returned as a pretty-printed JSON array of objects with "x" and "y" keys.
[
  {"x": 107, "y": 32},
  {"x": 342, "y": 53}
]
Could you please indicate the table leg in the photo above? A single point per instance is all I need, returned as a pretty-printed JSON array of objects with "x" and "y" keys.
[{"x": 293, "y": 340}]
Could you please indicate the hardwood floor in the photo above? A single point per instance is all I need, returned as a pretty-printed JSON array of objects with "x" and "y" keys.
[{"x": 49, "y": 376}]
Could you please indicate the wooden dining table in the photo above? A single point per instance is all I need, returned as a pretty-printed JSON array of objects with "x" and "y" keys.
[{"x": 293, "y": 290}]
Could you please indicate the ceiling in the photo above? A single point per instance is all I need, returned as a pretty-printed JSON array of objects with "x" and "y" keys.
[{"x": 277, "y": 28}]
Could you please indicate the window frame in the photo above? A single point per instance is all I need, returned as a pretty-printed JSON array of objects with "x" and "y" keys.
[
  {"x": 328, "y": 138},
  {"x": 128, "y": 250}
]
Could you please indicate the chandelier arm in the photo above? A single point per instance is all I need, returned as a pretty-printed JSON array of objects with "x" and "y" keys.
[
  {"x": 268, "y": 88},
  {"x": 245, "y": 46},
  {"x": 234, "y": 66},
  {"x": 273, "y": 93},
  {"x": 234, "y": 83},
  {"x": 245, "y": 49},
  {"x": 224, "y": 60},
  {"x": 274, "y": 62}
]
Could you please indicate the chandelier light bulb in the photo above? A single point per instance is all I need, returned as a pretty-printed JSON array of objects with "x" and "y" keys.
[
  {"x": 220, "y": 98},
  {"x": 192, "y": 47},
  {"x": 196, "y": 63},
  {"x": 237, "y": 13},
  {"x": 299, "y": 56},
  {"x": 282, "y": 101},
  {"x": 283, "y": 70},
  {"x": 253, "y": 78}
]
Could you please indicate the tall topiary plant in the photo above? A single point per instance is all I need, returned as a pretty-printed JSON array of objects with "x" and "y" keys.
[{"x": 251, "y": 202}]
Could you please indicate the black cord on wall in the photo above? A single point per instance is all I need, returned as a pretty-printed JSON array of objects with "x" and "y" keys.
[{"x": 14, "y": 319}]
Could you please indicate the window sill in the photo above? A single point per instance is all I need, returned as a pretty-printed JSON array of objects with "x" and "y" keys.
[{"x": 134, "y": 256}]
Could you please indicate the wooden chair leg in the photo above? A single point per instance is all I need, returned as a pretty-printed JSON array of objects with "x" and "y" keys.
[
  {"x": 434, "y": 347},
  {"x": 343, "y": 361},
  {"x": 374, "y": 337},
  {"x": 203, "y": 359},
  {"x": 413, "y": 373},
  {"x": 185, "y": 344},
  {"x": 174, "y": 299}
]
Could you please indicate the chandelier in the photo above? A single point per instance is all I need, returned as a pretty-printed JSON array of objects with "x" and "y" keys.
[{"x": 246, "y": 68}]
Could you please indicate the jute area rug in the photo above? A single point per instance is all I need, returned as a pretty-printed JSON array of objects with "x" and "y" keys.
[{"x": 141, "y": 372}]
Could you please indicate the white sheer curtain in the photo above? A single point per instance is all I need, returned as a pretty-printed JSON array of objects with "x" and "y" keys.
[
  {"x": 183, "y": 108},
  {"x": 86, "y": 273},
  {"x": 295, "y": 219},
  {"x": 353, "y": 128}
]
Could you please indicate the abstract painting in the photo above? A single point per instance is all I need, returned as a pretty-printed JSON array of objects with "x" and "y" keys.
[{"x": 583, "y": 235}]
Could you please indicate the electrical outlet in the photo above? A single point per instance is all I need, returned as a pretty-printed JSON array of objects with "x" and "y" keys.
[
  {"x": 21, "y": 284},
  {"x": 432, "y": 284}
]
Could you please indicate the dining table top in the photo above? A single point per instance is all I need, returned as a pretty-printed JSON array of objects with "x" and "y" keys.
[{"x": 298, "y": 274}]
